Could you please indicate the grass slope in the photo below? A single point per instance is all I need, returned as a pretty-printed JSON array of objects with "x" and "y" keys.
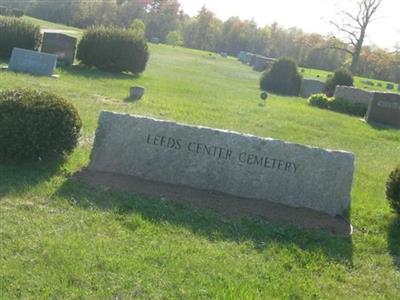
[{"x": 62, "y": 239}]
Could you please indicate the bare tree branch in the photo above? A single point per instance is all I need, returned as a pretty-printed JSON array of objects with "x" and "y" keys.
[{"x": 354, "y": 26}]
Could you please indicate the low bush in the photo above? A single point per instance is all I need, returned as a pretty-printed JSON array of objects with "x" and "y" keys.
[
  {"x": 393, "y": 190},
  {"x": 17, "y": 33},
  {"x": 338, "y": 105},
  {"x": 36, "y": 125},
  {"x": 341, "y": 77},
  {"x": 344, "y": 106},
  {"x": 319, "y": 100},
  {"x": 113, "y": 49},
  {"x": 283, "y": 78}
]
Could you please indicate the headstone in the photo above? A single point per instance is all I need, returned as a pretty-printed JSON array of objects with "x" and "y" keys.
[
  {"x": 136, "y": 92},
  {"x": 155, "y": 40},
  {"x": 354, "y": 95},
  {"x": 242, "y": 56},
  {"x": 390, "y": 86},
  {"x": 62, "y": 45},
  {"x": 252, "y": 59},
  {"x": 32, "y": 62},
  {"x": 262, "y": 63},
  {"x": 248, "y": 58},
  {"x": 224, "y": 54},
  {"x": 385, "y": 109},
  {"x": 222, "y": 161},
  {"x": 311, "y": 86}
]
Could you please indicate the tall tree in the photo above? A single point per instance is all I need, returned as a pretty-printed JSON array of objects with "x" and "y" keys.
[{"x": 354, "y": 26}]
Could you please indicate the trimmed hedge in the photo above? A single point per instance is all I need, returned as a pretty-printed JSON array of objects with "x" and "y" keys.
[
  {"x": 341, "y": 77},
  {"x": 393, "y": 190},
  {"x": 17, "y": 33},
  {"x": 113, "y": 49},
  {"x": 36, "y": 125},
  {"x": 338, "y": 105},
  {"x": 344, "y": 106},
  {"x": 283, "y": 78}
]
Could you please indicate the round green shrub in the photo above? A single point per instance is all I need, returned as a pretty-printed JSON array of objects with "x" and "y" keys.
[
  {"x": 319, "y": 100},
  {"x": 113, "y": 49},
  {"x": 393, "y": 190},
  {"x": 341, "y": 77},
  {"x": 36, "y": 125},
  {"x": 18, "y": 33},
  {"x": 283, "y": 78}
]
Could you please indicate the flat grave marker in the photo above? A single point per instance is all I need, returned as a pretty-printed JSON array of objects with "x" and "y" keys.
[{"x": 32, "y": 62}]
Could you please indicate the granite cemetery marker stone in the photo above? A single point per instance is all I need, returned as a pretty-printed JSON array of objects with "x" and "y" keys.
[
  {"x": 353, "y": 95},
  {"x": 32, "y": 62},
  {"x": 136, "y": 92},
  {"x": 222, "y": 161},
  {"x": 62, "y": 45},
  {"x": 385, "y": 109},
  {"x": 311, "y": 86}
]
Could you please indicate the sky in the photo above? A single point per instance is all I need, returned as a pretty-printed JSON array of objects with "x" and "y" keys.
[{"x": 309, "y": 15}]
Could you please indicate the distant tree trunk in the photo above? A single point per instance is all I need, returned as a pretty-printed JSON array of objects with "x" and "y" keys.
[{"x": 355, "y": 27}]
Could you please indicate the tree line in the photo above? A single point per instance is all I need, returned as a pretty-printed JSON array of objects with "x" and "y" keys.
[{"x": 164, "y": 19}]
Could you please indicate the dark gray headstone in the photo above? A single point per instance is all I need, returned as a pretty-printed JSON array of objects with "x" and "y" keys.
[
  {"x": 136, "y": 92},
  {"x": 62, "y": 45},
  {"x": 311, "y": 86},
  {"x": 222, "y": 161},
  {"x": 155, "y": 40},
  {"x": 385, "y": 109},
  {"x": 242, "y": 56},
  {"x": 390, "y": 86},
  {"x": 262, "y": 63},
  {"x": 248, "y": 58},
  {"x": 32, "y": 62}
]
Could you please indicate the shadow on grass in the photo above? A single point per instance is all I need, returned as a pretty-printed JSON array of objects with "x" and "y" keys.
[
  {"x": 17, "y": 179},
  {"x": 206, "y": 223},
  {"x": 394, "y": 240},
  {"x": 93, "y": 73},
  {"x": 381, "y": 127}
]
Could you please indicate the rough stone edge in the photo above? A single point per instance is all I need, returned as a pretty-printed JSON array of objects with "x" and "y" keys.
[{"x": 169, "y": 122}]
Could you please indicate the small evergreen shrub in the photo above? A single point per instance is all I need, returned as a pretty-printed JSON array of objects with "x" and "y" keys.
[
  {"x": 319, "y": 100},
  {"x": 113, "y": 49},
  {"x": 341, "y": 77},
  {"x": 283, "y": 78},
  {"x": 393, "y": 190},
  {"x": 18, "y": 13},
  {"x": 338, "y": 105},
  {"x": 344, "y": 106},
  {"x": 36, "y": 125},
  {"x": 17, "y": 33}
]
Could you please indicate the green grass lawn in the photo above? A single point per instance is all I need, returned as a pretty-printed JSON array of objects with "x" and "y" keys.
[
  {"x": 63, "y": 239},
  {"x": 73, "y": 31}
]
